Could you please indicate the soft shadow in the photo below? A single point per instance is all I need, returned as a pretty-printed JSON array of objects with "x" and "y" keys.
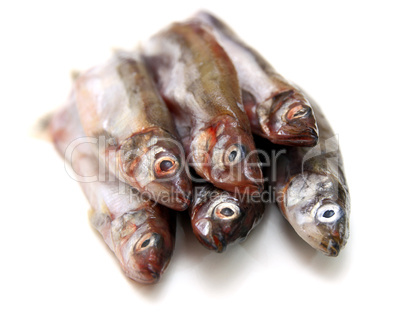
[
  {"x": 216, "y": 271},
  {"x": 150, "y": 292},
  {"x": 219, "y": 272}
]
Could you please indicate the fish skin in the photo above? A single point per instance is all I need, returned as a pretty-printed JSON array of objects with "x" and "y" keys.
[
  {"x": 122, "y": 217},
  {"x": 312, "y": 193},
  {"x": 199, "y": 84},
  {"x": 277, "y": 109},
  {"x": 215, "y": 230},
  {"x": 119, "y": 100}
]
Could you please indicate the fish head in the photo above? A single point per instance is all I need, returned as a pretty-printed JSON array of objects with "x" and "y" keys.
[
  {"x": 144, "y": 242},
  {"x": 290, "y": 120},
  {"x": 220, "y": 218},
  {"x": 228, "y": 157},
  {"x": 317, "y": 206},
  {"x": 154, "y": 163}
]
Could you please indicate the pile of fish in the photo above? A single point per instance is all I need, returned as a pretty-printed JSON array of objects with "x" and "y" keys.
[{"x": 173, "y": 126}]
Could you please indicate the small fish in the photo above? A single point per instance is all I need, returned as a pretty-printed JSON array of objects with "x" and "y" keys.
[
  {"x": 312, "y": 193},
  {"x": 220, "y": 218},
  {"x": 119, "y": 101},
  {"x": 199, "y": 83},
  {"x": 139, "y": 232},
  {"x": 277, "y": 109}
]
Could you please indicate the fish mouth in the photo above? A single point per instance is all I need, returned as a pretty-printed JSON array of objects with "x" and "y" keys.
[
  {"x": 249, "y": 188},
  {"x": 308, "y": 138},
  {"x": 177, "y": 201},
  {"x": 148, "y": 275},
  {"x": 219, "y": 243},
  {"x": 241, "y": 187},
  {"x": 183, "y": 201},
  {"x": 203, "y": 230},
  {"x": 331, "y": 248},
  {"x": 155, "y": 276},
  {"x": 215, "y": 243},
  {"x": 249, "y": 183}
]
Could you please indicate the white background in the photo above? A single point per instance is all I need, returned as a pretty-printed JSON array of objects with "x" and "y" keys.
[{"x": 59, "y": 278}]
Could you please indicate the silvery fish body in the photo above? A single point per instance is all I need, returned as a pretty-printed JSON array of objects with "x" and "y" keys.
[
  {"x": 138, "y": 231},
  {"x": 277, "y": 109},
  {"x": 119, "y": 101},
  {"x": 220, "y": 218},
  {"x": 199, "y": 83},
  {"x": 312, "y": 193}
]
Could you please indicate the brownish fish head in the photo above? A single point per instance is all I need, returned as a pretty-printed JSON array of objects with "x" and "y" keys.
[
  {"x": 291, "y": 120},
  {"x": 154, "y": 163},
  {"x": 145, "y": 242},
  {"x": 317, "y": 207},
  {"x": 220, "y": 218},
  {"x": 150, "y": 256},
  {"x": 230, "y": 160}
]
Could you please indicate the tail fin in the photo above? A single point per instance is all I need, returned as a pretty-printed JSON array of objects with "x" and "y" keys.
[{"x": 40, "y": 130}]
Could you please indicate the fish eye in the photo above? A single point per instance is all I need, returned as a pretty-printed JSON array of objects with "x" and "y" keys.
[
  {"x": 329, "y": 213},
  {"x": 298, "y": 111},
  {"x": 148, "y": 240},
  {"x": 145, "y": 243},
  {"x": 165, "y": 165},
  {"x": 235, "y": 154},
  {"x": 226, "y": 211}
]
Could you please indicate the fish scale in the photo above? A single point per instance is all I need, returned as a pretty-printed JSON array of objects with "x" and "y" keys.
[
  {"x": 117, "y": 211},
  {"x": 277, "y": 109},
  {"x": 119, "y": 100},
  {"x": 199, "y": 84}
]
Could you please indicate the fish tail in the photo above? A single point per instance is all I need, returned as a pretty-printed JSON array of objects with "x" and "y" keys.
[{"x": 41, "y": 128}]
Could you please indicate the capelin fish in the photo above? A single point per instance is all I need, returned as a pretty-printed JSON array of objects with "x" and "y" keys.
[
  {"x": 119, "y": 101},
  {"x": 199, "y": 83},
  {"x": 220, "y": 218},
  {"x": 139, "y": 232},
  {"x": 277, "y": 109},
  {"x": 312, "y": 193}
]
